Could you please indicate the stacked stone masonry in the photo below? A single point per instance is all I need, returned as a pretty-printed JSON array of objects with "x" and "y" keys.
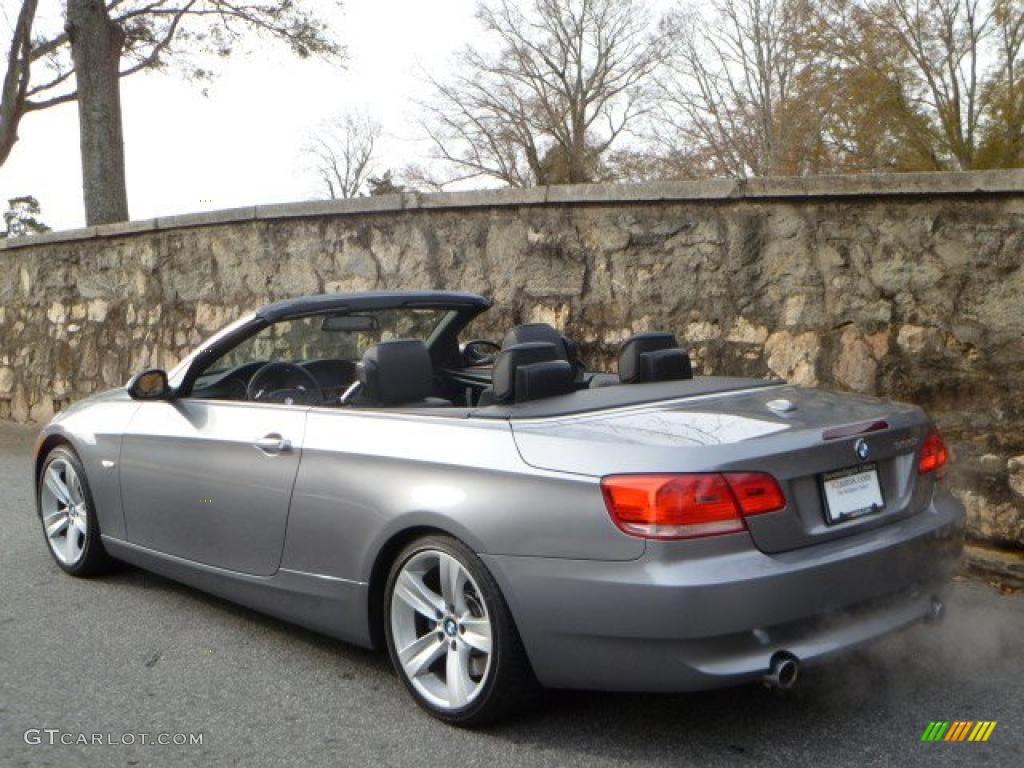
[{"x": 910, "y": 287}]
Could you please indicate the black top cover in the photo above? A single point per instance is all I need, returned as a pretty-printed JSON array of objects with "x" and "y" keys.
[{"x": 371, "y": 300}]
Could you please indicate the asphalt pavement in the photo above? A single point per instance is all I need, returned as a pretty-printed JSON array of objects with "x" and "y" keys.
[{"x": 132, "y": 653}]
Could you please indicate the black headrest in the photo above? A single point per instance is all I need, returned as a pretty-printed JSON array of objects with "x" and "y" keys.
[
  {"x": 538, "y": 380},
  {"x": 529, "y": 333},
  {"x": 530, "y": 371},
  {"x": 653, "y": 356},
  {"x": 396, "y": 372}
]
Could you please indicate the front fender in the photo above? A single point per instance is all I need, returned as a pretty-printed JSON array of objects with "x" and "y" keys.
[{"x": 93, "y": 428}]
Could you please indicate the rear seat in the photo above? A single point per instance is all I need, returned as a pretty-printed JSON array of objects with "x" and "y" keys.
[
  {"x": 652, "y": 356},
  {"x": 528, "y": 371},
  {"x": 565, "y": 348}
]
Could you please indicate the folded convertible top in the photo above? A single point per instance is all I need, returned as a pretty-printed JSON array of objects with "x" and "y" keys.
[{"x": 620, "y": 396}]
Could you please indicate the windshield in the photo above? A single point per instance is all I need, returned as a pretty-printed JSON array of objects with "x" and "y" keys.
[
  {"x": 178, "y": 371},
  {"x": 335, "y": 337}
]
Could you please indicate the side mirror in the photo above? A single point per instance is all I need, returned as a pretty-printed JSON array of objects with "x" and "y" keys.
[{"x": 150, "y": 384}]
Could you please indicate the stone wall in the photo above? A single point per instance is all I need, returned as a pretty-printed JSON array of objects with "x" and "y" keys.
[{"x": 909, "y": 286}]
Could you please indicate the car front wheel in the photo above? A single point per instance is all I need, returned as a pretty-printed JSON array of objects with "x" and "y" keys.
[
  {"x": 68, "y": 515},
  {"x": 451, "y": 637}
]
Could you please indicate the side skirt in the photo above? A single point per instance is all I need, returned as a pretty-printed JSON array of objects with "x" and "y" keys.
[{"x": 333, "y": 606}]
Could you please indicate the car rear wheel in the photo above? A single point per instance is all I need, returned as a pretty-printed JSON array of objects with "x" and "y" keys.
[
  {"x": 451, "y": 637},
  {"x": 68, "y": 515}
]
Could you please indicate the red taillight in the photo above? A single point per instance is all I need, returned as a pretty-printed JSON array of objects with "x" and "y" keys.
[
  {"x": 756, "y": 492},
  {"x": 684, "y": 506},
  {"x": 934, "y": 456}
]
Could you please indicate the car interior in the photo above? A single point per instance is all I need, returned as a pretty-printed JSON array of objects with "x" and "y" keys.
[{"x": 398, "y": 359}]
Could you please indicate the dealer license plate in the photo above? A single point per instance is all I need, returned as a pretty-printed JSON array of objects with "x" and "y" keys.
[{"x": 851, "y": 493}]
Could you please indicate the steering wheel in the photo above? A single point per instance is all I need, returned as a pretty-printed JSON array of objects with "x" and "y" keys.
[
  {"x": 286, "y": 383},
  {"x": 473, "y": 351}
]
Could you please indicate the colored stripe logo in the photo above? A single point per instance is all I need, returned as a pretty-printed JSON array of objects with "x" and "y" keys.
[{"x": 958, "y": 730}]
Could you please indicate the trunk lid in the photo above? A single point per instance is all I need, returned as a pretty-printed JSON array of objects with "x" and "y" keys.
[{"x": 751, "y": 431}]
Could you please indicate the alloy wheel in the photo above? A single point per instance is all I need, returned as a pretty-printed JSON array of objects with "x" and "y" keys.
[
  {"x": 65, "y": 511},
  {"x": 441, "y": 629}
]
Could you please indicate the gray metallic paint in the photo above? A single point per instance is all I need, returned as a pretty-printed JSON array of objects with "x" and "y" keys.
[
  {"x": 737, "y": 431},
  {"x": 194, "y": 485},
  {"x": 94, "y": 426},
  {"x": 367, "y": 476},
  {"x": 710, "y": 612},
  {"x": 596, "y": 608}
]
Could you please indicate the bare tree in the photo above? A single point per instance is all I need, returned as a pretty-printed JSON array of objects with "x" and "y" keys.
[
  {"x": 737, "y": 97},
  {"x": 566, "y": 80},
  {"x": 15, "y": 93},
  {"x": 103, "y": 41},
  {"x": 342, "y": 154}
]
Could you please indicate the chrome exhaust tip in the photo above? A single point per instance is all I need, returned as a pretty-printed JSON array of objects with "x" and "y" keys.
[
  {"x": 936, "y": 611},
  {"x": 783, "y": 671}
]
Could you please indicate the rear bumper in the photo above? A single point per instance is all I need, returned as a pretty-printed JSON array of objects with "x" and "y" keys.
[{"x": 689, "y": 616}]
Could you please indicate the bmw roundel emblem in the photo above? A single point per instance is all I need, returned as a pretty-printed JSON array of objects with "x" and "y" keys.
[{"x": 861, "y": 449}]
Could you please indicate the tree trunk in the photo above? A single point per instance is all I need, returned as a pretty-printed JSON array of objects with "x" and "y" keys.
[
  {"x": 577, "y": 165},
  {"x": 96, "y": 44}
]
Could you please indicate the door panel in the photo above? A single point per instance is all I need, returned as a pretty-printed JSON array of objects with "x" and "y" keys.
[{"x": 211, "y": 481}]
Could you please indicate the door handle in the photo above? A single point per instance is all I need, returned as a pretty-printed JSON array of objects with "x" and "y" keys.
[{"x": 273, "y": 444}]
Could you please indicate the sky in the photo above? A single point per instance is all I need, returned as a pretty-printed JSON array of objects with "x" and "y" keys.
[{"x": 242, "y": 143}]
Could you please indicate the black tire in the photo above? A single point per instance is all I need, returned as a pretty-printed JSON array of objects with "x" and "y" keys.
[
  {"x": 510, "y": 684},
  {"x": 94, "y": 558}
]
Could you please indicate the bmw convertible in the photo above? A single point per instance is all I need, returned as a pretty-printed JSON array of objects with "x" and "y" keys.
[{"x": 500, "y": 518}]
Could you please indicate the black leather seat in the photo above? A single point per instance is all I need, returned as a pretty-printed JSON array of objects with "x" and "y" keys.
[
  {"x": 396, "y": 374},
  {"x": 565, "y": 348},
  {"x": 653, "y": 356},
  {"x": 528, "y": 371}
]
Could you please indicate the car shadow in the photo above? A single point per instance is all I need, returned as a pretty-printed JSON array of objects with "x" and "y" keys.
[
  {"x": 724, "y": 726},
  {"x": 128, "y": 576},
  {"x": 862, "y": 704}
]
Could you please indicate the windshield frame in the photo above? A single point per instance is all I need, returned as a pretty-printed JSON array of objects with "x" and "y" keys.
[{"x": 442, "y": 343}]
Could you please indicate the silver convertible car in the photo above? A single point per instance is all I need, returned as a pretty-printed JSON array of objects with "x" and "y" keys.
[{"x": 497, "y": 516}]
